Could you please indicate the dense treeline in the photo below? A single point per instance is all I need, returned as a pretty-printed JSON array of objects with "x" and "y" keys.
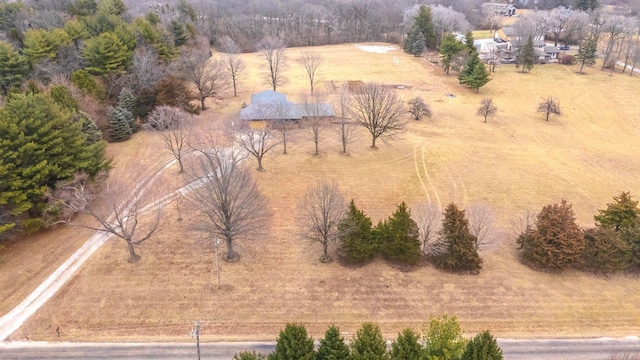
[{"x": 441, "y": 339}]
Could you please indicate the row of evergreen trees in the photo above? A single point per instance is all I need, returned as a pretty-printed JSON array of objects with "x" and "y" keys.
[
  {"x": 441, "y": 340},
  {"x": 397, "y": 239},
  {"x": 555, "y": 242}
]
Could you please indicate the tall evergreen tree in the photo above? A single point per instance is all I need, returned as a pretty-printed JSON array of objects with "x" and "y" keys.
[
  {"x": 424, "y": 21},
  {"x": 467, "y": 73},
  {"x": 356, "y": 241},
  {"x": 40, "y": 146},
  {"x": 410, "y": 40},
  {"x": 527, "y": 55},
  {"x": 63, "y": 98},
  {"x": 418, "y": 44},
  {"x": 177, "y": 31},
  {"x": 468, "y": 42},
  {"x": 588, "y": 52},
  {"x": 482, "y": 347},
  {"x": 126, "y": 99},
  {"x": 449, "y": 49},
  {"x": 399, "y": 237},
  {"x": 13, "y": 67},
  {"x": 89, "y": 127},
  {"x": 406, "y": 346},
  {"x": 479, "y": 77},
  {"x": 293, "y": 344},
  {"x": 461, "y": 254},
  {"x": 557, "y": 242},
  {"x": 333, "y": 347},
  {"x": 368, "y": 344},
  {"x": 119, "y": 123}
]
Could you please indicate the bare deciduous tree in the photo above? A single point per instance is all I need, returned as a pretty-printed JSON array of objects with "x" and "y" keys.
[
  {"x": 524, "y": 222},
  {"x": 481, "y": 218},
  {"x": 121, "y": 213},
  {"x": 233, "y": 63},
  {"x": 428, "y": 217},
  {"x": 487, "y": 109},
  {"x": 272, "y": 48},
  {"x": 346, "y": 127},
  {"x": 222, "y": 190},
  {"x": 548, "y": 106},
  {"x": 209, "y": 77},
  {"x": 315, "y": 122},
  {"x": 321, "y": 209},
  {"x": 175, "y": 132},
  {"x": 256, "y": 142},
  {"x": 146, "y": 68},
  {"x": 418, "y": 108},
  {"x": 380, "y": 110},
  {"x": 311, "y": 60}
]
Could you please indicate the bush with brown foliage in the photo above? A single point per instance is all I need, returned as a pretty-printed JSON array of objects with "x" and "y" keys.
[
  {"x": 567, "y": 59},
  {"x": 556, "y": 243}
]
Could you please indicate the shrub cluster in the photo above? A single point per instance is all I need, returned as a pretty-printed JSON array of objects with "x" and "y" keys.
[
  {"x": 556, "y": 242},
  {"x": 442, "y": 339}
]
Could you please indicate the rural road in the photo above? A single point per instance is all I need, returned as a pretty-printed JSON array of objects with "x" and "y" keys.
[{"x": 583, "y": 349}]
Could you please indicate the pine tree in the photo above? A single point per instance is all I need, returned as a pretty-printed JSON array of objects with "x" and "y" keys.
[
  {"x": 36, "y": 46},
  {"x": 418, "y": 44},
  {"x": 588, "y": 52},
  {"x": 468, "y": 42},
  {"x": 293, "y": 344},
  {"x": 87, "y": 83},
  {"x": 179, "y": 36},
  {"x": 406, "y": 346},
  {"x": 332, "y": 347},
  {"x": 119, "y": 123},
  {"x": 356, "y": 241},
  {"x": 399, "y": 237},
  {"x": 41, "y": 146},
  {"x": 443, "y": 339},
  {"x": 449, "y": 49},
  {"x": 63, "y": 97},
  {"x": 126, "y": 100},
  {"x": 605, "y": 251},
  {"x": 557, "y": 242},
  {"x": 527, "y": 56},
  {"x": 126, "y": 35},
  {"x": 467, "y": 73},
  {"x": 410, "y": 40},
  {"x": 482, "y": 347},
  {"x": 424, "y": 22},
  {"x": 13, "y": 67},
  {"x": 620, "y": 214},
  {"x": 461, "y": 254},
  {"x": 89, "y": 127},
  {"x": 106, "y": 54},
  {"x": 479, "y": 77},
  {"x": 368, "y": 344}
]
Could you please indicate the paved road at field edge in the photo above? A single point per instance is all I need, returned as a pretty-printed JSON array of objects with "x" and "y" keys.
[{"x": 548, "y": 349}]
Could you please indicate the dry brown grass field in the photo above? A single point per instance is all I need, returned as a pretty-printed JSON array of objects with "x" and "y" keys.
[{"x": 586, "y": 156}]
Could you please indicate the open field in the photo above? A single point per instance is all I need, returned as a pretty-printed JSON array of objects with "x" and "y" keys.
[{"x": 586, "y": 156}]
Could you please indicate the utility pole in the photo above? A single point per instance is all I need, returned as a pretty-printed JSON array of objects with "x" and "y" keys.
[
  {"x": 216, "y": 243},
  {"x": 196, "y": 333}
]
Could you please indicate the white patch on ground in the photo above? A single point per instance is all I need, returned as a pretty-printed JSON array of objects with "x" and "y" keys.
[{"x": 379, "y": 49}]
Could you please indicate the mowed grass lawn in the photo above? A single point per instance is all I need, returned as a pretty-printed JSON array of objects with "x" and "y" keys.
[{"x": 586, "y": 156}]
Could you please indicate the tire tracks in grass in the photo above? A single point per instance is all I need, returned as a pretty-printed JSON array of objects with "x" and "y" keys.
[{"x": 421, "y": 168}]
